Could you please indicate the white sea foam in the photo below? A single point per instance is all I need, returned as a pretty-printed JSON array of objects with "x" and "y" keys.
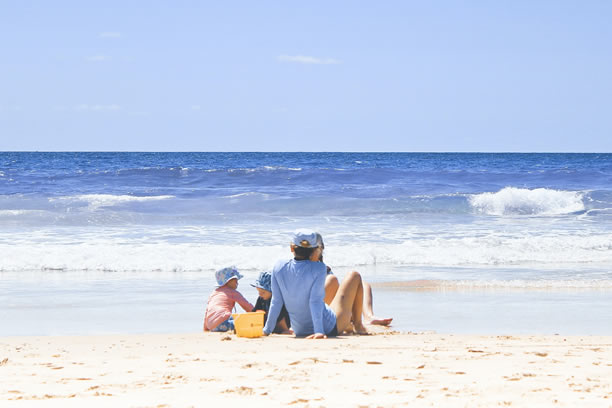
[
  {"x": 282, "y": 168},
  {"x": 521, "y": 201},
  {"x": 115, "y": 253},
  {"x": 125, "y": 257},
  {"x": 249, "y": 194},
  {"x": 265, "y": 168},
  {"x": 13, "y": 213},
  {"x": 106, "y": 200},
  {"x": 494, "y": 250}
]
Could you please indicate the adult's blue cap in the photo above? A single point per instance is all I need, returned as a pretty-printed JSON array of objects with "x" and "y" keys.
[{"x": 305, "y": 239}]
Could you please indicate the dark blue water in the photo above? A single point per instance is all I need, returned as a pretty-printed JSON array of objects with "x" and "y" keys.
[
  {"x": 388, "y": 182},
  {"x": 293, "y": 174}
]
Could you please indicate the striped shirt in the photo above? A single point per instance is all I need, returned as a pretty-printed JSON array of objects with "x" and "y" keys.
[{"x": 220, "y": 305}]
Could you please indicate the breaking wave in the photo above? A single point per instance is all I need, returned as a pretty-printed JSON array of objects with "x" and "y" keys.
[
  {"x": 522, "y": 201},
  {"x": 114, "y": 254},
  {"x": 107, "y": 200}
]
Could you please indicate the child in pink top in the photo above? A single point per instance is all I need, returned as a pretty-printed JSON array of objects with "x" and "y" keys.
[{"x": 218, "y": 315}]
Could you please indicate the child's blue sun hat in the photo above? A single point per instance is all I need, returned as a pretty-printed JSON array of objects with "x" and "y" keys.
[
  {"x": 264, "y": 281},
  {"x": 226, "y": 274}
]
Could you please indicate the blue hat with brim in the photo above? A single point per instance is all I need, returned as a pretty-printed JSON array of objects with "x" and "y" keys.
[
  {"x": 226, "y": 274},
  {"x": 264, "y": 281}
]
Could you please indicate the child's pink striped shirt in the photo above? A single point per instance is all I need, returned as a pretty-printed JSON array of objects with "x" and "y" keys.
[{"x": 220, "y": 305}]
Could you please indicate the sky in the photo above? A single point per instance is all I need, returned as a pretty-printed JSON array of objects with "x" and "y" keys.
[{"x": 409, "y": 76}]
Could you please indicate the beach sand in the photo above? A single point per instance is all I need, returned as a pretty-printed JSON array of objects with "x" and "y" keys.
[{"x": 384, "y": 369}]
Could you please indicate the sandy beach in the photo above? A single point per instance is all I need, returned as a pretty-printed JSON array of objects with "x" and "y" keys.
[{"x": 384, "y": 369}]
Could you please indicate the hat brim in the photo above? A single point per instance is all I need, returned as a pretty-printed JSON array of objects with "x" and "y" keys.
[
  {"x": 260, "y": 287},
  {"x": 316, "y": 245},
  {"x": 230, "y": 278}
]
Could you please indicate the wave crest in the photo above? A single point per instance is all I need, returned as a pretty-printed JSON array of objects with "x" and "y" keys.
[
  {"x": 108, "y": 200},
  {"x": 109, "y": 254},
  {"x": 522, "y": 201}
]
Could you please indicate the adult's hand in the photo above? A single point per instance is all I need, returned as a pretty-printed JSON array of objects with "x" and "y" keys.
[{"x": 317, "y": 336}]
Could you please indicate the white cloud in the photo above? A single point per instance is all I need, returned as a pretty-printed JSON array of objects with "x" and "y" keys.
[
  {"x": 304, "y": 59},
  {"x": 110, "y": 34},
  {"x": 98, "y": 58},
  {"x": 97, "y": 108}
]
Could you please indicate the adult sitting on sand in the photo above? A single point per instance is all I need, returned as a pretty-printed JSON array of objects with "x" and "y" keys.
[
  {"x": 331, "y": 288},
  {"x": 299, "y": 285}
]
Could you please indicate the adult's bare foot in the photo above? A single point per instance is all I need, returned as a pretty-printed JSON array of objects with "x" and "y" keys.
[
  {"x": 360, "y": 329},
  {"x": 380, "y": 322}
]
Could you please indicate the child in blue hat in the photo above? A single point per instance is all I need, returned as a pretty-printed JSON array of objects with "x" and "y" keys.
[
  {"x": 263, "y": 284},
  {"x": 218, "y": 315}
]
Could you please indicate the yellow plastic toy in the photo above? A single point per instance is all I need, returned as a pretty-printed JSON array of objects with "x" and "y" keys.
[{"x": 249, "y": 324}]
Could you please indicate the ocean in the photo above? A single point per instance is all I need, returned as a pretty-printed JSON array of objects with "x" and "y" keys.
[{"x": 452, "y": 242}]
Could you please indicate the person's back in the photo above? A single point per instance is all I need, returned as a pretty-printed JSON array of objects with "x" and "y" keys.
[{"x": 300, "y": 286}]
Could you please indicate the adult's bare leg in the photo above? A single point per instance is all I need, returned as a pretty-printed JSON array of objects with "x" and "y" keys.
[
  {"x": 368, "y": 308},
  {"x": 348, "y": 304},
  {"x": 331, "y": 288}
]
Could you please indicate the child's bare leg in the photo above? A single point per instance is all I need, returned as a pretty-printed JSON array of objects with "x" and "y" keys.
[
  {"x": 282, "y": 325},
  {"x": 331, "y": 288},
  {"x": 348, "y": 304},
  {"x": 368, "y": 308}
]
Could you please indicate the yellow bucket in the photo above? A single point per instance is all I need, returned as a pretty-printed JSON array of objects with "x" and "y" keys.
[{"x": 249, "y": 324}]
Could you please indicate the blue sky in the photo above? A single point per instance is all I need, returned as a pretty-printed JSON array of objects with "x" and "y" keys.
[{"x": 316, "y": 76}]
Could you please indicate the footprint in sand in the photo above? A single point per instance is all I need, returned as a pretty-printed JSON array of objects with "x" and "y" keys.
[{"x": 242, "y": 390}]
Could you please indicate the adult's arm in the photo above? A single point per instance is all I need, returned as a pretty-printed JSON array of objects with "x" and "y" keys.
[
  {"x": 317, "y": 296},
  {"x": 276, "y": 304}
]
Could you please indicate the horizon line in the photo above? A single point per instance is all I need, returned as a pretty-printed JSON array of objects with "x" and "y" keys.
[{"x": 305, "y": 151}]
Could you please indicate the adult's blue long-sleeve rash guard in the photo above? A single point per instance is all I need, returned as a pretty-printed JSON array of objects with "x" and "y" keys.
[{"x": 300, "y": 286}]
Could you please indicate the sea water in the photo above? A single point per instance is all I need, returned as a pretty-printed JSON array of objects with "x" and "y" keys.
[{"x": 456, "y": 242}]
